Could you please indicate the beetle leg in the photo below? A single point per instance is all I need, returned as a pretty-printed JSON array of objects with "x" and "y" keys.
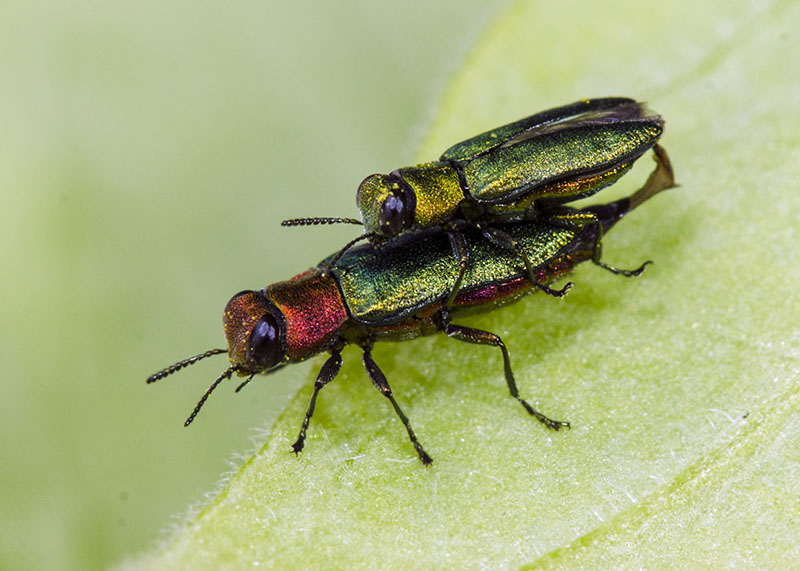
[
  {"x": 326, "y": 270},
  {"x": 326, "y": 374},
  {"x": 379, "y": 380},
  {"x": 505, "y": 240},
  {"x": 571, "y": 219},
  {"x": 582, "y": 219},
  {"x": 459, "y": 245},
  {"x": 598, "y": 252},
  {"x": 660, "y": 179},
  {"x": 480, "y": 337}
]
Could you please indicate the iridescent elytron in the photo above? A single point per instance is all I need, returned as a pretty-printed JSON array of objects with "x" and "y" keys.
[
  {"x": 400, "y": 292},
  {"x": 521, "y": 171}
]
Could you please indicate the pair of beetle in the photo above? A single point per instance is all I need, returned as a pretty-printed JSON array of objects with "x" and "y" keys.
[{"x": 485, "y": 224}]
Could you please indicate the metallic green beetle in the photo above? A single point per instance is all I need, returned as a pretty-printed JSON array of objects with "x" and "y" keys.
[
  {"x": 553, "y": 157},
  {"x": 402, "y": 291},
  {"x": 521, "y": 171}
]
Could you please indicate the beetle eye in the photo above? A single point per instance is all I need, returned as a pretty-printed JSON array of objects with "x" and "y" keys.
[
  {"x": 264, "y": 347},
  {"x": 392, "y": 215}
]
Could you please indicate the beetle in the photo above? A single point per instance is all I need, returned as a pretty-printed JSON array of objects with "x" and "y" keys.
[
  {"x": 520, "y": 171},
  {"x": 400, "y": 292}
]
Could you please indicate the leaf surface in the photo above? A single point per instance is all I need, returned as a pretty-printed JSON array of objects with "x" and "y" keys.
[{"x": 682, "y": 385}]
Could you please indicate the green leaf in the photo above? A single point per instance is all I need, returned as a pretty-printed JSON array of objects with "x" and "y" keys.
[{"x": 682, "y": 385}]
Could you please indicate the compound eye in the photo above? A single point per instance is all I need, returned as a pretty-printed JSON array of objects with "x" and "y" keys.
[
  {"x": 392, "y": 215},
  {"x": 264, "y": 347}
]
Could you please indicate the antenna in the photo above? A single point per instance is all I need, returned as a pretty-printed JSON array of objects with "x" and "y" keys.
[
  {"x": 181, "y": 364},
  {"x": 226, "y": 375},
  {"x": 319, "y": 221}
]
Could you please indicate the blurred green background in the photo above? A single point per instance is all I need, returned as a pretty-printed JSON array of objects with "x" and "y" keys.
[{"x": 149, "y": 152}]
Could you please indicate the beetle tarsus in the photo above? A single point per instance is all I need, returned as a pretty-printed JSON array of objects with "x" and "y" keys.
[
  {"x": 557, "y": 293},
  {"x": 379, "y": 380},
  {"x": 548, "y": 422},
  {"x": 627, "y": 273},
  {"x": 297, "y": 447}
]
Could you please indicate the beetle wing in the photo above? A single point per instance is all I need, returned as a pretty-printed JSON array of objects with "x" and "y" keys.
[
  {"x": 416, "y": 272},
  {"x": 389, "y": 283},
  {"x": 485, "y": 142},
  {"x": 564, "y": 160}
]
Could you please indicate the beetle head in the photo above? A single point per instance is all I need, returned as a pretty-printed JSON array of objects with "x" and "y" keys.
[
  {"x": 256, "y": 333},
  {"x": 386, "y": 205}
]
